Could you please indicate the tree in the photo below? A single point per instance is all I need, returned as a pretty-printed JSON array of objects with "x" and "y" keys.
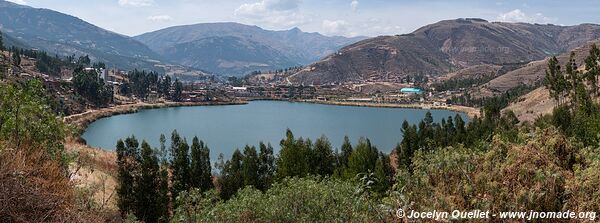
[
  {"x": 84, "y": 60},
  {"x": 250, "y": 166},
  {"x": 406, "y": 149},
  {"x": 126, "y": 200},
  {"x": 572, "y": 75},
  {"x": 147, "y": 186},
  {"x": 384, "y": 173},
  {"x": 180, "y": 165},
  {"x": 362, "y": 160},
  {"x": 593, "y": 68},
  {"x": 2, "y": 48},
  {"x": 346, "y": 151},
  {"x": 200, "y": 166},
  {"x": 293, "y": 157},
  {"x": 16, "y": 56},
  {"x": 555, "y": 80},
  {"x": 165, "y": 86},
  {"x": 231, "y": 178},
  {"x": 266, "y": 166},
  {"x": 322, "y": 160},
  {"x": 177, "y": 92}
]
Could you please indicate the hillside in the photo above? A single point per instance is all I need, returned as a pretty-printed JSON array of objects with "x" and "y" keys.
[
  {"x": 530, "y": 73},
  {"x": 444, "y": 47},
  {"x": 66, "y": 35},
  {"x": 225, "y": 48}
]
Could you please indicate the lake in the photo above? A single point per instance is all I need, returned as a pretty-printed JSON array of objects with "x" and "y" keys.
[{"x": 225, "y": 128}]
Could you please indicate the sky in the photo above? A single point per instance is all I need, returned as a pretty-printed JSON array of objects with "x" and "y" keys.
[{"x": 330, "y": 17}]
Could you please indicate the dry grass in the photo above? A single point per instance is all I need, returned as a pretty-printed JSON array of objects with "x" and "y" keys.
[{"x": 34, "y": 188}]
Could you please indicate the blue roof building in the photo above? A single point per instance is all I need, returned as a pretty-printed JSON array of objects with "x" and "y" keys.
[{"x": 411, "y": 91}]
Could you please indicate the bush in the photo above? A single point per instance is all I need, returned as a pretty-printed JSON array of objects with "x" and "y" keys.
[{"x": 307, "y": 199}]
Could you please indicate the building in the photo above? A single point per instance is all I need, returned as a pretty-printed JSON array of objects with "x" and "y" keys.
[{"x": 411, "y": 91}]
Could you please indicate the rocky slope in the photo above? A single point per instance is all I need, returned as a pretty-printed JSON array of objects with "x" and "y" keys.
[
  {"x": 531, "y": 73},
  {"x": 445, "y": 47}
]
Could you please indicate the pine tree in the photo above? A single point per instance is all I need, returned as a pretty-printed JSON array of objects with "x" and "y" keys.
[
  {"x": 125, "y": 180},
  {"x": 163, "y": 154},
  {"x": 177, "y": 91},
  {"x": 555, "y": 81},
  {"x": 346, "y": 151},
  {"x": 266, "y": 167},
  {"x": 195, "y": 166},
  {"x": 200, "y": 166},
  {"x": 231, "y": 178},
  {"x": 250, "y": 165},
  {"x": 206, "y": 180},
  {"x": 408, "y": 146},
  {"x": 147, "y": 186},
  {"x": 180, "y": 165},
  {"x": 592, "y": 67}
]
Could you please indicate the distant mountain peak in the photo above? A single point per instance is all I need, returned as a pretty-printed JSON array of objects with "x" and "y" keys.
[{"x": 255, "y": 48}]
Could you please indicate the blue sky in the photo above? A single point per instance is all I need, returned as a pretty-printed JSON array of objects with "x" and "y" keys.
[{"x": 330, "y": 17}]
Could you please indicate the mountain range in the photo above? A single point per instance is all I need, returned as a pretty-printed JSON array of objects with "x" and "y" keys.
[
  {"x": 237, "y": 49},
  {"x": 65, "y": 35},
  {"x": 219, "y": 48},
  {"x": 445, "y": 47}
]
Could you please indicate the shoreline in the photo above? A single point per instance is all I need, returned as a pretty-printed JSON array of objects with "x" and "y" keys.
[
  {"x": 469, "y": 111},
  {"x": 82, "y": 120}
]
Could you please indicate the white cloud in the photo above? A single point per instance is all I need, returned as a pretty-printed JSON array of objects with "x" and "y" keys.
[
  {"x": 519, "y": 16},
  {"x": 136, "y": 3},
  {"x": 335, "y": 27},
  {"x": 267, "y": 6},
  {"x": 159, "y": 18},
  {"x": 21, "y": 2},
  {"x": 354, "y": 5},
  {"x": 274, "y": 13}
]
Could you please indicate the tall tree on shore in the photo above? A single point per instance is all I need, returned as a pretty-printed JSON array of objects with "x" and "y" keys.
[
  {"x": 125, "y": 180},
  {"x": 266, "y": 166},
  {"x": 148, "y": 195},
  {"x": 177, "y": 90},
  {"x": 410, "y": 143},
  {"x": 200, "y": 166},
  {"x": 231, "y": 178},
  {"x": 293, "y": 157},
  {"x": 165, "y": 86},
  {"x": 322, "y": 158},
  {"x": 250, "y": 165},
  {"x": 362, "y": 160},
  {"x": 180, "y": 165}
]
